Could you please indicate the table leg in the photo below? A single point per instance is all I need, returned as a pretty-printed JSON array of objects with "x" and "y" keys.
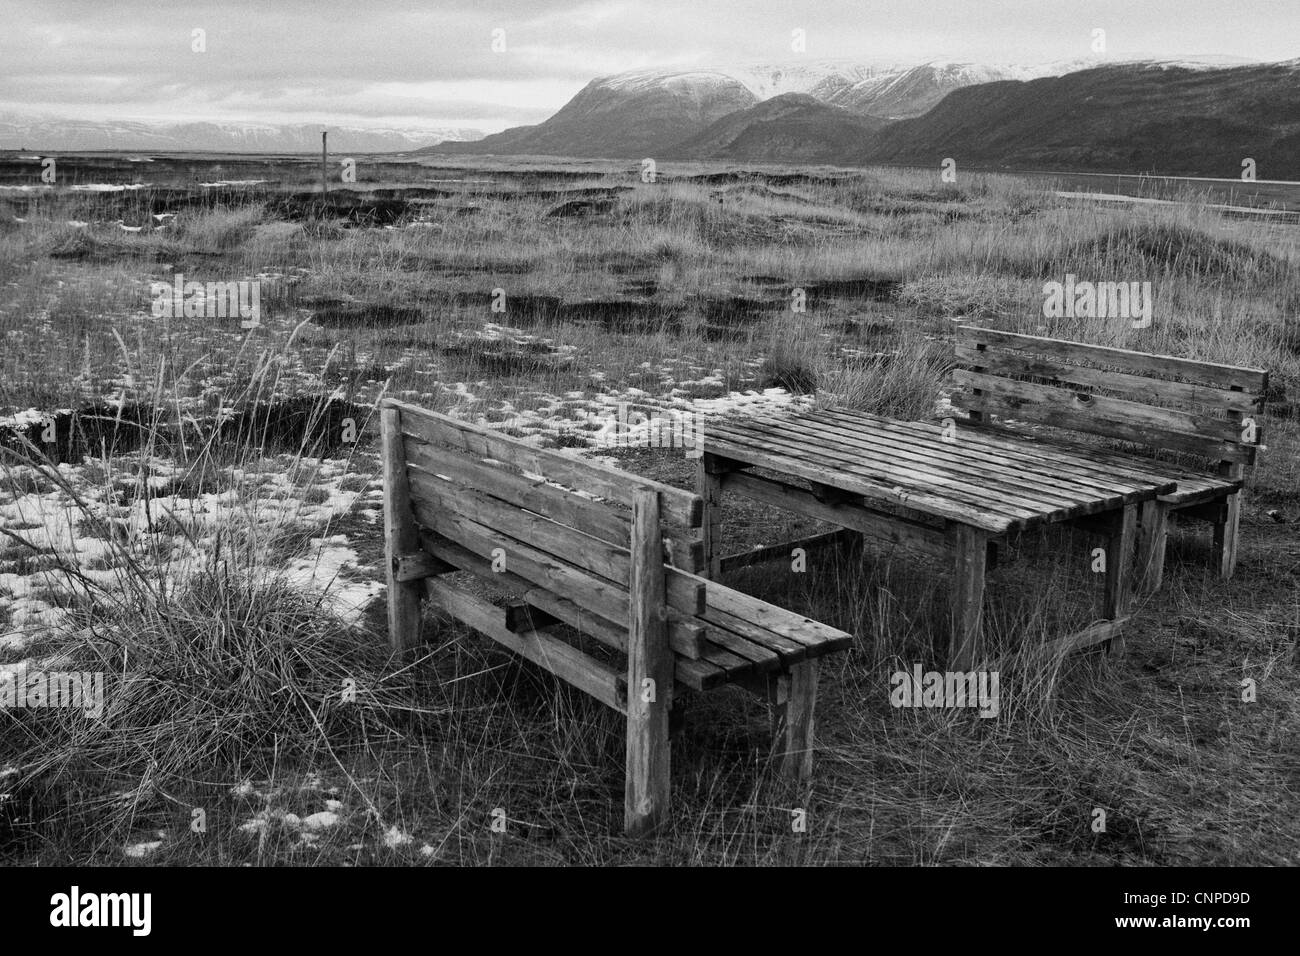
[
  {"x": 1153, "y": 537},
  {"x": 1119, "y": 558},
  {"x": 970, "y": 556},
  {"x": 708, "y": 485}
]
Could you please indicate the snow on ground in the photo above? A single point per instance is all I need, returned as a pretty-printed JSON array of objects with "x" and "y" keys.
[{"x": 70, "y": 537}]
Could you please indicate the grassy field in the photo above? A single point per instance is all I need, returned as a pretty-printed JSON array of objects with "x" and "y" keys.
[{"x": 203, "y": 529}]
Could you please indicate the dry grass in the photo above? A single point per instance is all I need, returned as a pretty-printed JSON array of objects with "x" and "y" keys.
[{"x": 232, "y": 676}]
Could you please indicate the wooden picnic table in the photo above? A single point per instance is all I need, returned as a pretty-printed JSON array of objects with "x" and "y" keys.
[{"x": 954, "y": 492}]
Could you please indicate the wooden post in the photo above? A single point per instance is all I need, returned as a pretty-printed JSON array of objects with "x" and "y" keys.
[
  {"x": 649, "y": 675},
  {"x": 708, "y": 485},
  {"x": 401, "y": 537},
  {"x": 1119, "y": 555},
  {"x": 1225, "y": 530},
  {"x": 793, "y": 697},
  {"x": 1119, "y": 578},
  {"x": 324, "y": 176},
  {"x": 970, "y": 556},
  {"x": 1153, "y": 537}
]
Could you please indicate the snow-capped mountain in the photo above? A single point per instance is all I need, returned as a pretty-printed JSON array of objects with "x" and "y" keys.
[
  {"x": 19, "y": 132},
  {"x": 640, "y": 112}
]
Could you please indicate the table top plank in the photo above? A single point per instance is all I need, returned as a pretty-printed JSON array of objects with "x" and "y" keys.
[
  {"x": 860, "y": 452},
  {"x": 792, "y": 465},
  {"x": 987, "y": 480},
  {"x": 1081, "y": 478},
  {"x": 847, "y": 463},
  {"x": 935, "y": 451},
  {"x": 1051, "y": 456}
]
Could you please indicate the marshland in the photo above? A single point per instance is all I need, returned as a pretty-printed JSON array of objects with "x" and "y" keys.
[{"x": 192, "y": 508}]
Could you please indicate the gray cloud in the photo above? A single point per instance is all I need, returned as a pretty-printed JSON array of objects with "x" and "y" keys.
[{"x": 292, "y": 60}]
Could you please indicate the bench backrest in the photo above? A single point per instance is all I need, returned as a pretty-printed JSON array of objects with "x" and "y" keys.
[{"x": 1159, "y": 401}]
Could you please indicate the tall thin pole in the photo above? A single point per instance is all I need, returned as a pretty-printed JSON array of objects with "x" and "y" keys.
[{"x": 324, "y": 183}]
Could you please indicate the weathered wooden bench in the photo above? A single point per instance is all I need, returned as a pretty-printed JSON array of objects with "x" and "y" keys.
[
  {"x": 572, "y": 548},
  {"x": 1196, "y": 415}
]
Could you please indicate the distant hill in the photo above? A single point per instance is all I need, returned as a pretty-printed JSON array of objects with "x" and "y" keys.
[
  {"x": 1187, "y": 118},
  {"x": 17, "y": 132},
  {"x": 645, "y": 113},
  {"x": 793, "y": 127},
  {"x": 1179, "y": 120},
  {"x": 632, "y": 115}
]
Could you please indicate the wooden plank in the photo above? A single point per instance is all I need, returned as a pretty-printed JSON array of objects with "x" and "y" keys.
[
  {"x": 572, "y": 546},
  {"x": 685, "y": 635},
  {"x": 949, "y": 467},
  {"x": 970, "y": 554},
  {"x": 1095, "y": 633},
  {"x": 1042, "y": 463},
  {"x": 793, "y": 463},
  {"x": 1060, "y": 416},
  {"x": 596, "y": 517},
  {"x": 603, "y": 597},
  {"x": 786, "y": 650},
  {"x": 908, "y": 484},
  {"x": 401, "y": 537},
  {"x": 591, "y": 676},
  {"x": 679, "y": 507},
  {"x": 762, "y": 658},
  {"x": 1125, "y": 360},
  {"x": 1135, "y": 387},
  {"x": 815, "y": 635},
  {"x": 694, "y": 671},
  {"x": 1103, "y": 407},
  {"x": 885, "y": 528},
  {"x": 649, "y": 675},
  {"x": 990, "y": 470},
  {"x": 773, "y": 552},
  {"x": 417, "y": 565},
  {"x": 1089, "y": 465}
]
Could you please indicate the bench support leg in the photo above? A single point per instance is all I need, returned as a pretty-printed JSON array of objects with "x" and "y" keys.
[
  {"x": 1119, "y": 576},
  {"x": 401, "y": 537},
  {"x": 793, "y": 697},
  {"x": 1153, "y": 537},
  {"x": 970, "y": 557},
  {"x": 708, "y": 485},
  {"x": 649, "y": 676},
  {"x": 1225, "y": 536}
]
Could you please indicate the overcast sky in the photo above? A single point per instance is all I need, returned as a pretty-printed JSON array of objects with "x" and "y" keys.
[{"x": 372, "y": 62}]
